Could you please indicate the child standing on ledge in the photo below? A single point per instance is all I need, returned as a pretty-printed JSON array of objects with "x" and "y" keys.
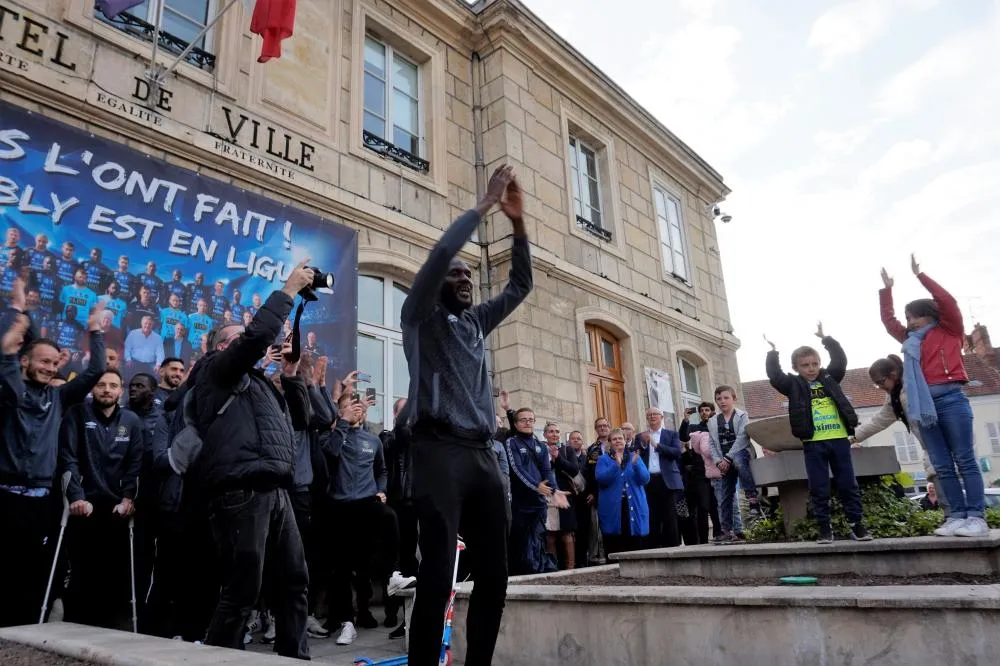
[{"x": 823, "y": 418}]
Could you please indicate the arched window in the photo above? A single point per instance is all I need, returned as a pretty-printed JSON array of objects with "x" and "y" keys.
[
  {"x": 380, "y": 345},
  {"x": 689, "y": 378}
]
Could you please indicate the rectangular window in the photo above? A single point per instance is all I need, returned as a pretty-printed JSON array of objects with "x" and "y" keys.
[
  {"x": 180, "y": 23},
  {"x": 993, "y": 430},
  {"x": 907, "y": 448},
  {"x": 587, "y": 188},
  {"x": 392, "y": 122},
  {"x": 672, "y": 249},
  {"x": 690, "y": 383}
]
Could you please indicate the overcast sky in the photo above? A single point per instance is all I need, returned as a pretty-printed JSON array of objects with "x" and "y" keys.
[{"x": 851, "y": 134}]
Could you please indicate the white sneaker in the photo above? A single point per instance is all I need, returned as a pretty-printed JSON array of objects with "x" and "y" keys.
[
  {"x": 399, "y": 582},
  {"x": 973, "y": 527},
  {"x": 57, "y": 612},
  {"x": 253, "y": 626},
  {"x": 269, "y": 631},
  {"x": 347, "y": 634},
  {"x": 315, "y": 628},
  {"x": 950, "y": 526}
]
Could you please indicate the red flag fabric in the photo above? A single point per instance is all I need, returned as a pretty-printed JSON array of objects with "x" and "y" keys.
[{"x": 273, "y": 20}]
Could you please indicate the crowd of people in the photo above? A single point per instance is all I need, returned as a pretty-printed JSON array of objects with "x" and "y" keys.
[
  {"x": 220, "y": 487},
  {"x": 280, "y": 466},
  {"x": 661, "y": 488}
]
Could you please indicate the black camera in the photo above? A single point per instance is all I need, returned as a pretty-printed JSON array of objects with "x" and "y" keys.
[{"x": 321, "y": 280}]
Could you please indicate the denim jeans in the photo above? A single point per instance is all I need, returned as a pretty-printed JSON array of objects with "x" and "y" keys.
[
  {"x": 253, "y": 531},
  {"x": 822, "y": 459},
  {"x": 726, "y": 488},
  {"x": 949, "y": 445}
]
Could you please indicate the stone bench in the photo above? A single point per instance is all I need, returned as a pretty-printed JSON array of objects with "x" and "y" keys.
[{"x": 786, "y": 469}]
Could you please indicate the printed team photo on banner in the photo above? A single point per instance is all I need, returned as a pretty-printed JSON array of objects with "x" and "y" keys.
[{"x": 171, "y": 253}]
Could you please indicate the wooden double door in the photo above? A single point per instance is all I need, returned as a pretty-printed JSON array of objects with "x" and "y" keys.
[{"x": 606, "y": 379}]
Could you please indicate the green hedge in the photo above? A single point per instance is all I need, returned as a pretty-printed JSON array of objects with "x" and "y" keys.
[{"x": 885, "y": 515}]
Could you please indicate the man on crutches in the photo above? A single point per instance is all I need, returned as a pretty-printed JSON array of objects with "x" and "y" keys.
[
  {"x": 102, "y": 447},
  {"x": 31, "y": 410},
  {"x": 55, "y": 558}
]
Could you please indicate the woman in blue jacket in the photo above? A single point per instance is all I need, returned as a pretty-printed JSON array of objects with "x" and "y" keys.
[{"x": 622, "y": 510}]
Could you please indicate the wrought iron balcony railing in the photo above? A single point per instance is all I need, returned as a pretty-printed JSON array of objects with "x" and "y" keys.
[
  {"x": 135, "y": 26},
  {"x": 394, "y": 153},
  {"x": 592, "y": 228}
]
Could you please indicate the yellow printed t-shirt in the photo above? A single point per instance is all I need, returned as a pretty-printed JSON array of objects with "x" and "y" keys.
[{"x": 827, "y": 421}]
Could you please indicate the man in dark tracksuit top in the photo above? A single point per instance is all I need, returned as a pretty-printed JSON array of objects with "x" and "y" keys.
[
  {"x": 30, "y": 412},
  {"x": 185, "y": 587},
  {"x": 142, "y": 401},
  {"x": 358, "y": 493},
  {"x": 311, "y": 509},
  {"x": 450, "y": 413},
  {"x": 399, "y": 492},
  {"x": 102, "y": 447},
  {"x": 244, "y": 472},
  {"x": 532, "y": 479}
]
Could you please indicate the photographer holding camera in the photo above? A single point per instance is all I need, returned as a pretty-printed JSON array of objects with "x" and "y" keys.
[{"x": 244, "y": 470}]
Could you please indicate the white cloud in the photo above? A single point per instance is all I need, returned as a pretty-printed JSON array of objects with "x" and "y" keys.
[
  {"x": 912, "y": 87},
  {"x": 850, "y": 27},
  {"x": 901, "y": 158},
  {"x": 971, "y": 188},
  {"x": 689, "y": 80},
  {"x": 960, "y": 68},
  {"x": 843, "y": 142}
]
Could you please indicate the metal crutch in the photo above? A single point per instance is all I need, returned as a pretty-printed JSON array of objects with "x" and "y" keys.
[
  {"x": 131, "y": 570},
  {"x": 55, "y": 558}
]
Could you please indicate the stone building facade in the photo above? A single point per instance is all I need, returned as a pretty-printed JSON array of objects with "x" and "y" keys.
[{"x": 388, "y": 117}]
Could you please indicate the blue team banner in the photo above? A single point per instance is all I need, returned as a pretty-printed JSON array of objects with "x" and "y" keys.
[{"x": 171, "y": 253}]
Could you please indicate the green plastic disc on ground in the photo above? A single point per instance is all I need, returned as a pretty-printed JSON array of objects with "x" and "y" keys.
[{"x": 798, "y": 580}]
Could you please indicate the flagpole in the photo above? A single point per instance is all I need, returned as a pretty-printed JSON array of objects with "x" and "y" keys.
[
  {"x": 151, "y": 74},
  {"x": 194, "y": 41}
]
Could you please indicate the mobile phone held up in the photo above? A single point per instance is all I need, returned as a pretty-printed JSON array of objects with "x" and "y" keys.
[
  {"x": 370, "y": 393},
  {"x": 364, "y": 377}
]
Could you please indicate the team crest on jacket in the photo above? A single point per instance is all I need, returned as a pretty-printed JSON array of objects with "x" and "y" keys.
[{"x": 122, "y": 431}]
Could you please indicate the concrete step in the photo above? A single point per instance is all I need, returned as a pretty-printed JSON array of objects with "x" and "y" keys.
[
  {"x": 108, "y": 646},
  {"x": 915, "y": 556}
]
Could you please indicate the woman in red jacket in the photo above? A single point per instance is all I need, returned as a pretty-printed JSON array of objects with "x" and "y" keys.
[{"x": 934, "y": 374}]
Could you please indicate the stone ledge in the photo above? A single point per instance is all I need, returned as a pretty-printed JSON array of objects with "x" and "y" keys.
[
  {"x": 907, "y": 544},
  {"x": 932, "y": 597},
  {"x": 566, "y": 573},
  {"x": 120, "y": 648}
]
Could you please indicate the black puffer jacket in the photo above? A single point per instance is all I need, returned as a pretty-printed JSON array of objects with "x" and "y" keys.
[
  {"x": 250, "y": 446},
  {"x": 800, "y": 397}
]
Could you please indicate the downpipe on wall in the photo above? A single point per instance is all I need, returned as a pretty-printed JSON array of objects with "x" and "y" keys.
[{"x": 480, "y": 165}]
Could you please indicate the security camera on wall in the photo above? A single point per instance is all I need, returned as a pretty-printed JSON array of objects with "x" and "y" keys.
[{"x": 717, "y": 214}]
